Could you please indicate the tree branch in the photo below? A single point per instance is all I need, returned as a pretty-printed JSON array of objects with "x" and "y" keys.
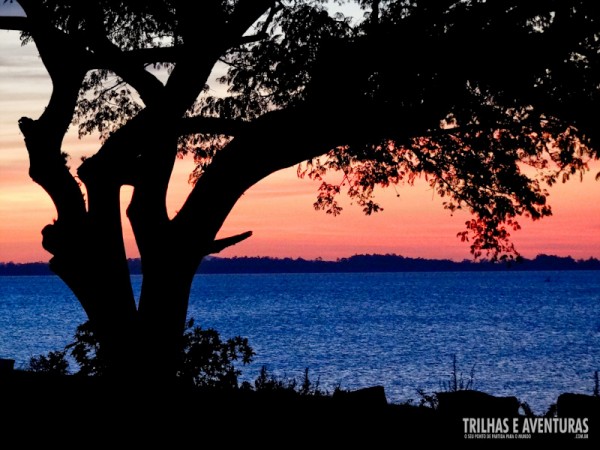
[
  {"x": 111, "y": 56},
  {"x": 214, "y": 125},
  {"x": 277, "y": 6},
  {"x": 48, "y": 169},
  {"x": 219, "y": 245},
  {"x": 43, "y": 137},
  {"x": 278, "y": 140},
  {"x": 14, "y": 23},
  {"x": 252, "y": 38},
  {"x": 147, "y": 211},
  {"x": 153, "y": 55},
  {"x": 173, "y": 54},
  {"x": 83, "y": 248},
  {"x": 210, "y": 12},
  {"x": 246, "y": 13},
  {"x": 195, "y": 61}
]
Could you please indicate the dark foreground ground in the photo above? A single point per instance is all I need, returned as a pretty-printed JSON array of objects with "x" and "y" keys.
[{"x": 76, "y": 412}]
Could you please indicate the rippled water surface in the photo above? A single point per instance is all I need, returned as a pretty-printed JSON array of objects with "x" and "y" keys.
[{"x": 529, "y": 334}]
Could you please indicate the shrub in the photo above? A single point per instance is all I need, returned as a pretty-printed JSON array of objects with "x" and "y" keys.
[
  {"x": 54, "y": 363},
  {"x": 209, "y": 361},
  {"x": 206, "y": 359},
  {"x": 457, "y": 382},
  {"x": 266, "y": 382},
  {"x": 86, "y": 351}
]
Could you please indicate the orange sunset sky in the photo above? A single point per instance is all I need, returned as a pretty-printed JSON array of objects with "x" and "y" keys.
[{"x": 279, "y": 209}]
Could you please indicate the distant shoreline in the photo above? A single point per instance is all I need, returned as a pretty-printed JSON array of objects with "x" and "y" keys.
[{"x": 353, "y": 264}]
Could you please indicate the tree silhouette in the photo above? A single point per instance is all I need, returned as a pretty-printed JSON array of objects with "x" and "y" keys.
[{"x": 464, "y": 93}]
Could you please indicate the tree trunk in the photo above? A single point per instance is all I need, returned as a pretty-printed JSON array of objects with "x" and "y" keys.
[
  {"x": 162, "y": 315},
  {"x": 101, "y": 283}
]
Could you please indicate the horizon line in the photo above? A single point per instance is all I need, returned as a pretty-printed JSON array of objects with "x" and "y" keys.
[{"x": 320, "y": 259}]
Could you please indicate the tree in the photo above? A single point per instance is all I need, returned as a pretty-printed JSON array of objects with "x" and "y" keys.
[{"x": 463, "y": 93}]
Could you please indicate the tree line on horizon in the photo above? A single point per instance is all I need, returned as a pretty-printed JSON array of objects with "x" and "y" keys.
[{"x": 355, "y": 263}]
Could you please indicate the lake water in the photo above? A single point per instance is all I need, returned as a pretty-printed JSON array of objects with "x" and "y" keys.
[{"x": 529, "y": 334}]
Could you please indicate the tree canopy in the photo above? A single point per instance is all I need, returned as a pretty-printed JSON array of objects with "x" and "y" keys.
[
  {"x": 465, "y": 93},
  {"x": 491, "y": 101}
]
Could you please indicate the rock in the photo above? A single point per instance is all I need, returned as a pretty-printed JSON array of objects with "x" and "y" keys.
[
  {"x": 371, "y": 397},
  {"x": 6, "y": 366},
  {"x": 578, "y": 405},
  {"x": 470, "y": 403}
]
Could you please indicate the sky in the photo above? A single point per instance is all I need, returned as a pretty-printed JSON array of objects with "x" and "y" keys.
[{"x": 279, "y": 209}]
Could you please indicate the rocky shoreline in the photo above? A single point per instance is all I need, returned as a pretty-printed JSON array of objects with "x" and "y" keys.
[{"x": 95, "y": 409}]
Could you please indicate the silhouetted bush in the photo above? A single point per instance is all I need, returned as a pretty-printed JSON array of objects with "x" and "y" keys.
[
  {"x": 206, "y": 359},
  {"x": 266, "y": 382},
  {"x": 457, "y": 381},
  {"x": 86, "y": 351},
  {"x": 54, "y": 363},
  {"x": 209, "y": 361},
  {"x": 426, "y": 400}
]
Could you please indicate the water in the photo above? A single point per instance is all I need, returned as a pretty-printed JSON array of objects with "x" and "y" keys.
[{"x": 529, "y": 334}]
